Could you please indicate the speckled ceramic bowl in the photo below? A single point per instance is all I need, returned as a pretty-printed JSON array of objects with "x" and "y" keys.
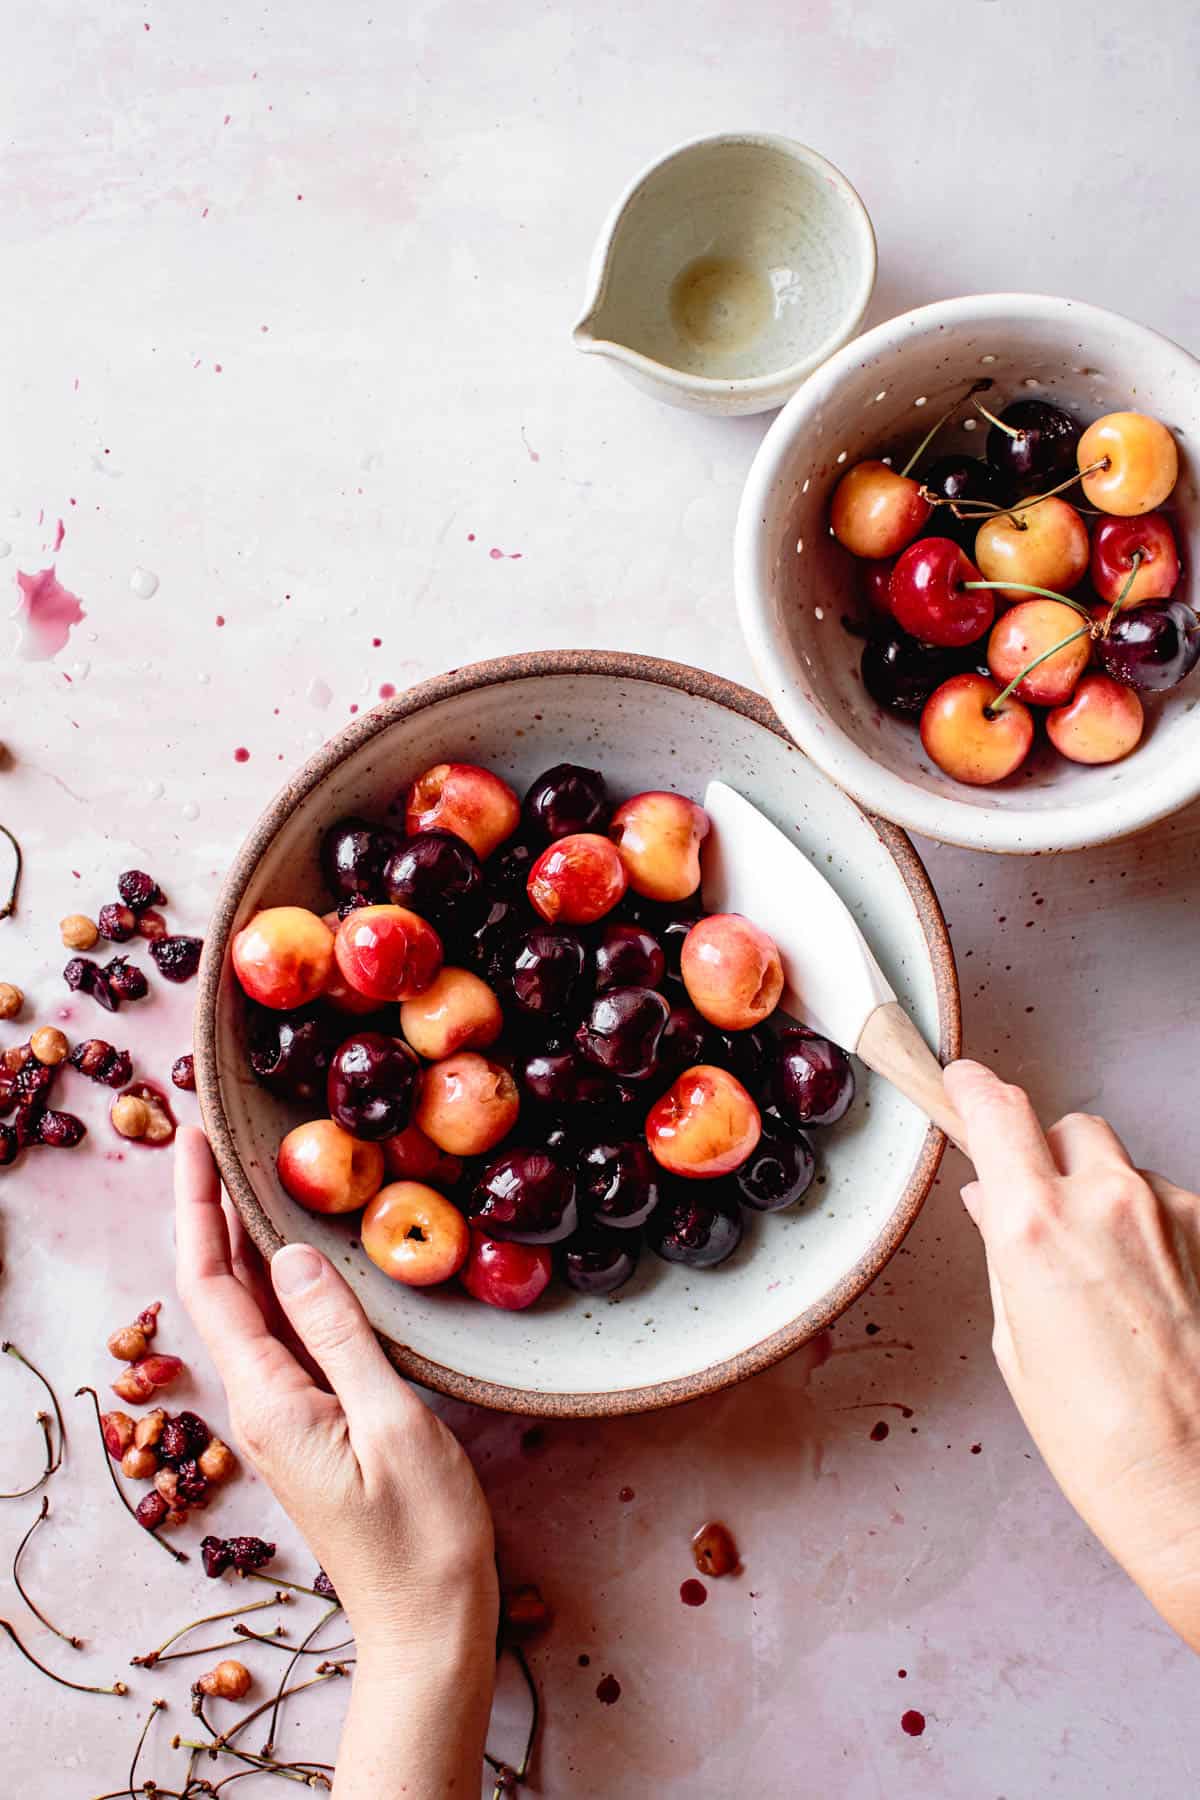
[
  {"x": 671, "y": 1333},
  {"x": 795, "y": 584}
]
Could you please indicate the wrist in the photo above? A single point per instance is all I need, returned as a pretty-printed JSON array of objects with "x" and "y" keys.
[{"x": 430, "y": 1639}]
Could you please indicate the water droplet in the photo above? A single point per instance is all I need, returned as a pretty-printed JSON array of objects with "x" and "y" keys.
[
  {"x": 319, "y": 693},
  {"x": 190, "y": 810},
  {"x": 12, "y": 512},
  {"x": 144, "y": 583},
  {"x": 155, "y": 790},
  {"x": 921, "y": 400},
  {"x": 5, "y": 547},
  {"x": 204, "y": 678},
  {"x": 80, "y": 671}
]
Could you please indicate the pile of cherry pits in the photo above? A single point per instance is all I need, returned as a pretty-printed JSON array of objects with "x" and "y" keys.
[
  {"x": 552, "y": 1054},
  {"x": 987, "y": 596}
]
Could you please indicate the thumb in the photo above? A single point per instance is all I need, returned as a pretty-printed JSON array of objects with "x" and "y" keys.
[{"x": 331, "y": 1324}]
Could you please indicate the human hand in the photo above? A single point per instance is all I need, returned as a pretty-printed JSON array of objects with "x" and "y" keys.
[
  {"x": 377, "y": 1485},
  {"x": 1095, "y": 1277}
]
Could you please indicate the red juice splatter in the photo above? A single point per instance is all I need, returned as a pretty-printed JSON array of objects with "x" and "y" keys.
[
  {"x": 220, "y": 619},
  {"x": 608, "y": 1691},
  {"x": 902, "y": 1674},
  {"x": 47, "y": 613},
  {"x": 470, "y": 537},
  {"x": 241, "y": 754},
  {"x": 386, "y": 690},
  {"x": 584, "y": 1659},
  {"x": 879, "y": 1432},
  {"x": 692, "y": 1592},
  {"x": 59, "y": 535},
  {"x": 913, "y": 1723},
  {"x": 975, "y": 1449},
  {"x": 375, "y": 643},
  {"x": 625, "y": 1495},
  {"x": 354, "y": 706}
]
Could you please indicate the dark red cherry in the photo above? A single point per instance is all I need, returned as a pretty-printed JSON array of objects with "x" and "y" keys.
[
  {"x": 353, "y": 854},
  {"x": 508, "y": 870},
  {"x": 1038, "y": 447},
  {"x": 525, "y": 1197},
  {"x": 559, "y": 1079},
  {"x": 779, "y": 1170},
  {"x": 627, "y": 956},
  {"x": 812, "y": 1082},
  {"x": 1152, "y": 647},
  {"x": 686, "y": 1040},
  {"x": 597, "y": 1261},
  {"x": 749, "y": 1055},
  {"x": 698, "y": 1224},
  {"x": 565, "y": 800},
  {"x": 290, "y": 1052},
  {"x": 963, "y": 478},
  {"x": 372, "y": 1085},
  {"x": 437, "y": 875},
  {"x": 549, "y": 972},
  {"x": 619, "y": 1184},
  {"x": 622, "y": 1031},
  {"x": 900, "y": 673}
]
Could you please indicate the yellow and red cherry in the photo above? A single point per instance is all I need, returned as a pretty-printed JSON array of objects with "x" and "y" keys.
[
  {"x": 876, "y": 511},
  {"x": 466, "y": 1104},
  {"x": 1139, "y": 463},
  {"x": 469, "y": 801},
  {"x": 457, "y": 1011},
  {"x": 577, "y": 879},
  {"x": 1115, "y": 543},
  {"x": 326, "y": 1169},
  {"x": 1101, "y": 724},
  {"x": 1047, "y": 641},
  {"x": 930, "y": 598},
  {"x": 411, "y": 1156},
  {"x": 1043, "y": 545},
  {"x": 283, "y": 957},
  {"x": 387, "y": 952},
  {"x": 414, "y": 1234},
  {"x": 510, "y": 1276},
  {"x": 658, "y": 836},
  {"x": 337, "y": 990},
  {"x": 732, "y": 971},
  {"x": 705, "y": 1124},
  {"x": 967, "y": 739}
]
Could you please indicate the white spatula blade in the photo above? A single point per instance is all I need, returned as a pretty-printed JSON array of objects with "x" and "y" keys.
[{"x": 833, "y": 982}]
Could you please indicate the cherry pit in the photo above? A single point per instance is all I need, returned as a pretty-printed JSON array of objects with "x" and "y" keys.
[
  {"x": 990, "y": 603},
  {"x": 522, "y": 1048}
]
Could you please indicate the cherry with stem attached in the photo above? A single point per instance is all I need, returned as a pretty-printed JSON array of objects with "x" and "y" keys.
[
  {"x": 994, "y": 707},
  {"x": 976, "y": 387},
  {"x": 1135, "y": 562},
  {"x": 1025, "y": 587}
]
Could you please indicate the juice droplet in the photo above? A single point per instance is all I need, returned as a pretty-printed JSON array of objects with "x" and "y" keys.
[
  {"x": 241, "y": 754},
  {"x": 913, "y": 1723},
  {"x": 144, "y": 583},
  {"x": 693, "y": 1593},
  {"x": 608, "y": 1690},
  {"x": 46, "y": 614}
]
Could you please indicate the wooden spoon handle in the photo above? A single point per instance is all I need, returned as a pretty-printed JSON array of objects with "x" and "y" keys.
[{"x": 892, "y": 1046}]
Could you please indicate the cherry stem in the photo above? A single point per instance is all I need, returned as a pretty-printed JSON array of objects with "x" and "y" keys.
[
  {"x": 257, "y": 1637},
  {"x": 156, "y": 1706},
  {"x": 992, "y": 709},
  {"x": 275, "y": 1581},
  {"x": 290, "y": 1771},
  {"x": 210, "y": 1649},
  {"x": 66, "y": 1636},
  {"x": 506, "y": 1775},
  {"x": 152, "y": 1656},
  {"x": 10, "y": 905},
  {"x": 283, "y": 1680},
  {"x": 118, "y": 1687},
  {"x": 1135, "y": 561},
  {"x": 987, "y": 509},
  {"x": 1008, "y": 430},
  {"x": 53, "y": 1457},
  {"x": 975, "y": 388},
  {"x": 240, "y": 1725},
  {"x": 1025, "y": 587},
  {"x": 178, "y": 1555}
]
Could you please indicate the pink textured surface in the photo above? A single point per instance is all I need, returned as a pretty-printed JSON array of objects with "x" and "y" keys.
[{"x": 291, "y": 333}]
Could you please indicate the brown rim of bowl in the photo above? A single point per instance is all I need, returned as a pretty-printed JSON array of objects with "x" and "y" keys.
[{"x": 703, "y": 686}]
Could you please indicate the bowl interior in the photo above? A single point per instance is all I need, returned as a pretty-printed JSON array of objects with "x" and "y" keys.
[
  {"x": 736, "y": 258},
  {"x": 669, "y": 1324},
  {"x": 879, "y": 396}
]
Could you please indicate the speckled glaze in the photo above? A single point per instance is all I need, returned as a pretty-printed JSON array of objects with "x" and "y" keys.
[
  {"x": 794, "y": 583},
  {"x": 774, "y": 207},
  {"x": 672, "y": 1334}
]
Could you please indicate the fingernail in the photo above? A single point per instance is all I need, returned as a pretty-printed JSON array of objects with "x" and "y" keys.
[{"x": 295, "y": 1269}]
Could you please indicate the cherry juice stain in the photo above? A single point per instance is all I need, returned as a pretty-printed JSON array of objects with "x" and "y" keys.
[
  {"x": 879, "y": 1432},
  {"x": 59, "y": 535},
  {"x": 608, "y": 1692},
  {"x": 693, "y": 1592},
  {"x": 498, "y": 555},
  {"x": 46, "y": 615},
  {"x": 241, "y": 754},
  {"x": 387, "y": 690},
  {"x": 714, "y": 1551},
  {"x": 913, "y": 1723},
  {"x": 625, "y": 1495}
]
